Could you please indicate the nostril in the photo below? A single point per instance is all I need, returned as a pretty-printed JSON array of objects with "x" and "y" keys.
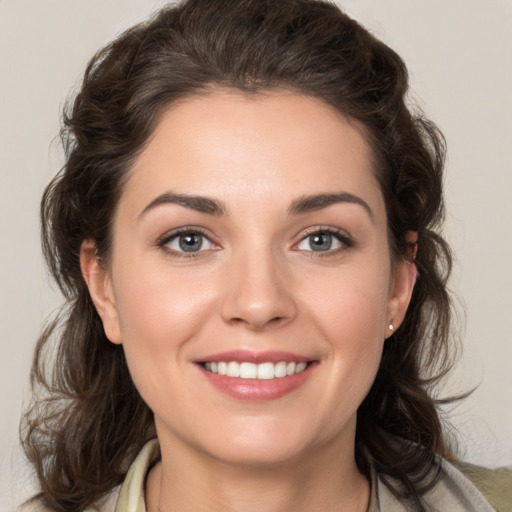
[{"x": 258, "y": 323}]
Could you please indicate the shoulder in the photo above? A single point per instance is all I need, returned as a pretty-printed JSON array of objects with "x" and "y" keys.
[
  {"x": 460, "y": 487},
  {"x": 129, "y": 497},
  {"x": 33, "y": 505},
  {"x": 107, "y": 504},
  {"x": 494, "y": 484}
]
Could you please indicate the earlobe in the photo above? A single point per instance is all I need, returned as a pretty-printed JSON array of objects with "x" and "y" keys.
[
  {"x": 99, "y": 283},
  {"x": 403, "y": 281}
]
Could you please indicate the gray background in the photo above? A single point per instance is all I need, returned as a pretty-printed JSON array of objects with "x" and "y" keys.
[{"x": 459, "y": 53}]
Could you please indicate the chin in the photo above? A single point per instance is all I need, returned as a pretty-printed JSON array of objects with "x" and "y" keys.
[
  {"x": 262, "y": 444},
  {"x": 258, "y": 455}
]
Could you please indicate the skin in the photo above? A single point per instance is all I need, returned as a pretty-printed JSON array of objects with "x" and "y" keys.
[{"x": 257, "y": 285}]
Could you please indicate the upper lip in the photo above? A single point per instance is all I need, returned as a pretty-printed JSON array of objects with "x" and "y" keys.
[{"x": 242, "y": 356}]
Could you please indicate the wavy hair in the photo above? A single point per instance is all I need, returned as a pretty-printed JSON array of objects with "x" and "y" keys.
[{"x": 87, "y": 420}]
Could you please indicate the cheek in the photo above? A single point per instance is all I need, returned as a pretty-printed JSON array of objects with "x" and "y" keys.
[
  {"x": 155, "y": 298},
  {"x": 356, "y": 336},
  {"x": 350, "y": 317},
  {"x": 159, "y": 314},
  {"x": 349, "y": 305},
  {"x": 157, "y": 310}
]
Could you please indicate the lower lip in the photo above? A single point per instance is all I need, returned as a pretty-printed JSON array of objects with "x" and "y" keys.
[{"x": 258, "y": 390}]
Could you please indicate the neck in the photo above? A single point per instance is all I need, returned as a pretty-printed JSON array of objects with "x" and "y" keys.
[{"x": 325, "y": 479}]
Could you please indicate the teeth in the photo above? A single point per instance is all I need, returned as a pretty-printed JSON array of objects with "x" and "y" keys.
[
  {"x": 248, "y": 371},
  {"x": 280, "y": 369},
  {"x": 300, "y": 367},
  {"x": 263, "y": 371},
  {"x": 233, "y": 369}
]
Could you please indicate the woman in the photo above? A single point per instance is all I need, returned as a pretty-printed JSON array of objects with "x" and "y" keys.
[{"x": 246, "y": 230}]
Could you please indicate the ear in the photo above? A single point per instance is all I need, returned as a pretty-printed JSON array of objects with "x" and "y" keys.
[
  {"x": 402, "y": 285},
  {"x": 99, "y": 283}
]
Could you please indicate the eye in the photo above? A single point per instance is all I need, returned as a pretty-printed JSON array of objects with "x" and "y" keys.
[
  {"x": 186, "y": 241},
  {"x": 324, "y": 241}
]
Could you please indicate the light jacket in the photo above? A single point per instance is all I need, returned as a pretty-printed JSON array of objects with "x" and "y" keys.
[{"x": 465, "y": 488}]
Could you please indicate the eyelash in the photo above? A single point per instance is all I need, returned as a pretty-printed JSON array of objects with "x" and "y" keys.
[
  {"x": 342, "y": 237},
  {"x": 163, "y": 241}
]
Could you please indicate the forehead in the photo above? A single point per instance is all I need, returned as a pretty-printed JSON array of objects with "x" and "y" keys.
[{"x": 265, "y": 148}]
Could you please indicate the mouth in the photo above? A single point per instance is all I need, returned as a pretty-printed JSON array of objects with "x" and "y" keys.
[
  {"x": 262, "y": 371},
  {"x": 257, "y": 376}
]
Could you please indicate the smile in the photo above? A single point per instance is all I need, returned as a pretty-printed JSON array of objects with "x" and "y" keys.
[
  {"x": 257, "y": 376},
  {"x": 248, "y": 370}
]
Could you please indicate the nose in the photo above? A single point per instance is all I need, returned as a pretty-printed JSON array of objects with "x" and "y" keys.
[{"x": 258, "y": 293}]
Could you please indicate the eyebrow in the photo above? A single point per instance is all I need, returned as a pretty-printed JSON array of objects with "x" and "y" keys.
[
  {"x": 198, "y": 203},
  {"x": 303, "y": 204},
  {"x": 315, "y": 202}
]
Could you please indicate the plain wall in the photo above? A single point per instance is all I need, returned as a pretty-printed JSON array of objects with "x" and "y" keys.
[{"x": 459, "y": 53}]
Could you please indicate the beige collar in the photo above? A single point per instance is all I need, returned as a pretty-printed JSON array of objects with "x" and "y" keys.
[{"x": 453, "y": 492}]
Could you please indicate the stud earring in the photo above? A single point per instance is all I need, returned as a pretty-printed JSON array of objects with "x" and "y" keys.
[{"x": 391, "y": 327}]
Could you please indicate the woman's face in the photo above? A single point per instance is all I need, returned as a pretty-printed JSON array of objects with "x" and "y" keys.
[{"x": 251, "y": 239}]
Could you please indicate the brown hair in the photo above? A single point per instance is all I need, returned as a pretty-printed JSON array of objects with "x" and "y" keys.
[{"x": 89, "y": 421}]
